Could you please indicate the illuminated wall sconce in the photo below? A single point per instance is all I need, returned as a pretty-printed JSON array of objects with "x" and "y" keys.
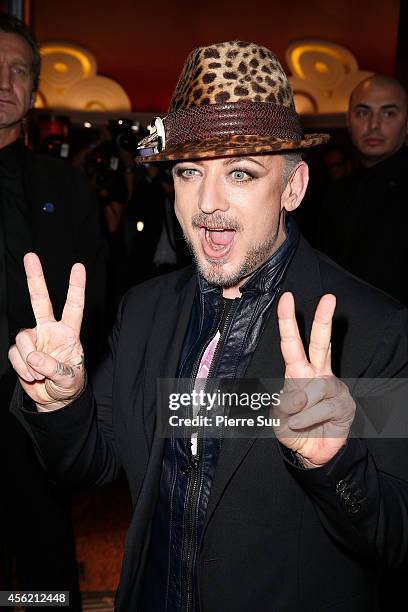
[
  {"x": 69, "y": 80},
  {"x": 323, "y": 76}
]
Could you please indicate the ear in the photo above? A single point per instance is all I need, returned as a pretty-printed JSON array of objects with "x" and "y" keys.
[{"x": 296, "y": 187}]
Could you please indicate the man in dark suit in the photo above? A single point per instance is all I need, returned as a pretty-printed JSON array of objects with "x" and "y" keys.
[
  {"x": 47, "y": 206},
  {"x": 364, "y": 216},
  {"x": 308, "y": 519}
]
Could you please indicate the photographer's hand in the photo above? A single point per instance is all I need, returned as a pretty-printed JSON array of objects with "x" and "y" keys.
[{"x": 49, "y": 358}]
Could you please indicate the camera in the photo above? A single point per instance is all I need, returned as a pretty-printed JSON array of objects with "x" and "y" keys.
[
  {"x": 103, "y": 162},
  {"x": 127, "y": 133}
]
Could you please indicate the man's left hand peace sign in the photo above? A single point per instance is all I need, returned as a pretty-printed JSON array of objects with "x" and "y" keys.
[{"x": 316, "y": 409}]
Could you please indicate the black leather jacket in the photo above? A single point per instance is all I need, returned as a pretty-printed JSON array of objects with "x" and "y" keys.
[{"x": 171, "y": 580}]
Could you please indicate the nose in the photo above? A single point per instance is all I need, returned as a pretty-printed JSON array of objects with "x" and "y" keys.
[
  {"x": 212, "y": 197},
  {"x": 5, "y": 81},
  {"x": 374, "y": 121}
]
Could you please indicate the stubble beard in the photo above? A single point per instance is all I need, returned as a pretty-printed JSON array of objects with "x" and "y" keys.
[{"x": 211, "y": 269}]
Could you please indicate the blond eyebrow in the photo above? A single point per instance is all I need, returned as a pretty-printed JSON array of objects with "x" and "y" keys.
[
  {"x": 187, "y": 161},
  {"x": 234, "y": 160},
  {"x": 227, "y": 161}
]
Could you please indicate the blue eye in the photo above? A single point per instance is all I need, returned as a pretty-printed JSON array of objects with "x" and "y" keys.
[
  {"x": 241, "y": 176},
  {"x": 19, "y": 70},
  {"x": 186, "y": 172}
]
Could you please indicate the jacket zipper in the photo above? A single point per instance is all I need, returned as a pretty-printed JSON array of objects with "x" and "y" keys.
[
  {"x": 194, "y": 489},
  {"x": 221, "y": 339},
  {"x": 189, "y": 540}
]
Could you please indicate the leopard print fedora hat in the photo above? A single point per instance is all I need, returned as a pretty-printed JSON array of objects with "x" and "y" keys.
[{"x": 232, "y": 98}]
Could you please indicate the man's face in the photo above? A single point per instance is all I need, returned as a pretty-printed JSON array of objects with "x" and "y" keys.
[
  {"x": 15, "y": 79},
  {"x": 230, "y": 210},
  {"x": 377, "y": 120}
]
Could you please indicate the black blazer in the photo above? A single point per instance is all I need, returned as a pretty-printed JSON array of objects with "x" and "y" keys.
[{"x": 276, "y": 538}]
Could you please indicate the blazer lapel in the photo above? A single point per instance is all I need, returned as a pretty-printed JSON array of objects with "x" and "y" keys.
[
  {"x": 169, "y": 324},
  {"x": 168, "y": 330},
  {"x": 303, "y": 279}
]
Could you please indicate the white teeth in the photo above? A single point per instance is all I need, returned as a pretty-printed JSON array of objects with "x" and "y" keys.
[{"x": 215, "y": 247}]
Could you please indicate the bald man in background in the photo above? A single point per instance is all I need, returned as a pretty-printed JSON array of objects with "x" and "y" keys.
[{"x": 364, "y": 219}]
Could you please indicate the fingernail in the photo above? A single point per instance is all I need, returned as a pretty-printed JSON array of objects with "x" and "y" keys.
[{"x": 29, "y": 377}]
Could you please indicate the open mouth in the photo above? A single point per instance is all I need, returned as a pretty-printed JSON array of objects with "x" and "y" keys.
[{"x": 217, "y": 242}]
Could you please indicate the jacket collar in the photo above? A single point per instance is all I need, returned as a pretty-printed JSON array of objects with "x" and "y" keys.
[
  {"x": 387, "y": 168},
  {"x": 303, "y": 277}
]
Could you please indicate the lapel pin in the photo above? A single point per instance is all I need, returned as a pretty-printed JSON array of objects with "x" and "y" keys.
[{"x": 48, "y": 207}]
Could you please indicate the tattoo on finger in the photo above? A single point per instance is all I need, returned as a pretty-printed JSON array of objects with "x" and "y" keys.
[
  {"x": 80, "y": 364},
  {"x": 64, "y": 370}
]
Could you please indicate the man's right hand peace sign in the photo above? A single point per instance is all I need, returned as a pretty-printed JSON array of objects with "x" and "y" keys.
[{"x": 49, "y": 359}]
